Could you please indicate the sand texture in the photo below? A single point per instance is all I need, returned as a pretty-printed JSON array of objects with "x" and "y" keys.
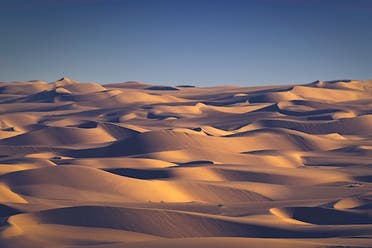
[{"x": 84, "y": 165}]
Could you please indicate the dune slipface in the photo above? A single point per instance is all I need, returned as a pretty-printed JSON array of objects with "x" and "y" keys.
[{"x": 137, "y": 165}]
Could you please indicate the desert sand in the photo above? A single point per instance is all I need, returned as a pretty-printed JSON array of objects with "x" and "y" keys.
[{"x": 138, "y": 165}]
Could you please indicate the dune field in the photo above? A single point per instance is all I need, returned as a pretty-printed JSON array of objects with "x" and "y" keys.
[{"x": 84, "y": 165}]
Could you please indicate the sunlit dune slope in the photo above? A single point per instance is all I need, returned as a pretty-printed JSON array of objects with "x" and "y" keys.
[{"x": 137, "y": 165}]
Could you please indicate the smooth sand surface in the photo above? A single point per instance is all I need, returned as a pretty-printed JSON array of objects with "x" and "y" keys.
[{"x": 137, "y": 165}]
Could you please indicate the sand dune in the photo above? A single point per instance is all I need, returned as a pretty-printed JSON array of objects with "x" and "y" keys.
[{"x": 139, "y": 165}]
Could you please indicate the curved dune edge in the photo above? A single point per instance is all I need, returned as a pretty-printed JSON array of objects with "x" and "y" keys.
[
  {"x": 158, "y": 223},
  {"x": 138, "y": 165},
  {"x": 7, "y": 195},
  {"x": 351, "y": 203},
  {"x": 321, "y": 216}
]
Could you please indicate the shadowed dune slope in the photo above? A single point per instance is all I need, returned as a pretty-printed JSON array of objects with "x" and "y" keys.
[{"x": 84, "y": 165}]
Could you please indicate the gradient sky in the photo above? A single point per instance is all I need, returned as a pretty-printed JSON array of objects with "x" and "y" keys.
[{"x": 200, "y": 42}]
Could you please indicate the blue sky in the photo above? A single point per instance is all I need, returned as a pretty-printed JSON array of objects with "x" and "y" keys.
[{"x": 201, "y": 42}]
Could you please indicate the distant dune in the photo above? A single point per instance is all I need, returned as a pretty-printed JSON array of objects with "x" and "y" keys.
[{"x": 84, "y": 165}]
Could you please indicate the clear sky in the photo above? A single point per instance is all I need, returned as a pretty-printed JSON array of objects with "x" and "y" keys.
[{"x": 201, "y": 42}]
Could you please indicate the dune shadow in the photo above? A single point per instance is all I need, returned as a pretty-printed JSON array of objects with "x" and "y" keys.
[
  {"x": 161, "y": 88},
  {"x": 140, "y": 173},
  {"x": 326, "y": 216},
  {"x": 6, "y": 211},
  {"x": 196, "y": 163}
]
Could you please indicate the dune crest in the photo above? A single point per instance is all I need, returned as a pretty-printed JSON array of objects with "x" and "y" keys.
[{"x": 84, "y": 165}]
